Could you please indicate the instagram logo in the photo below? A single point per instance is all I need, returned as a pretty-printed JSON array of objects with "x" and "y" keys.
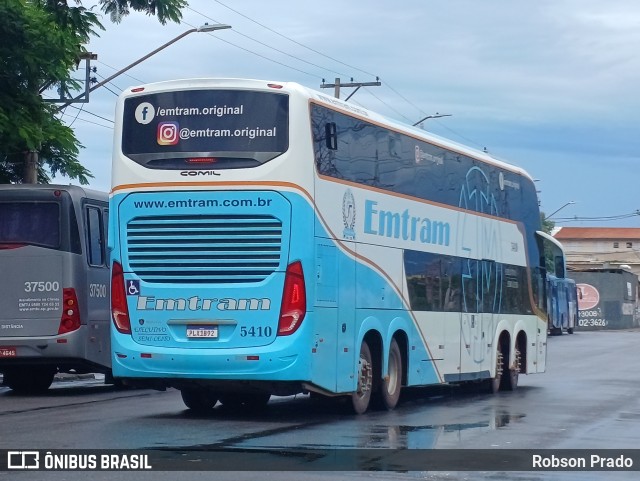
[{"x": 168, "y": 133}]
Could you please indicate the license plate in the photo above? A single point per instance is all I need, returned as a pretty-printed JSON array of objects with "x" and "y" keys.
[
  {"x": 209, "y": 332},
  {"x": 8, "y": 352}
]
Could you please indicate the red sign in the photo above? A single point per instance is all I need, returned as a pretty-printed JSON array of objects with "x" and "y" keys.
[
  {"x": 8, "y": 351},
  {"x": 588, "y": 297}
]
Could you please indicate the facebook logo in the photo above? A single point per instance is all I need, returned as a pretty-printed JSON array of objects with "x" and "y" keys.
[
  {"x": 23, "y": 460},
  {"x": 145, "y": 112}
]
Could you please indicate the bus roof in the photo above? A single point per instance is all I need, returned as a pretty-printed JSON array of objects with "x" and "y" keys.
[
  {"x": 351, "y": 109},
  {"x": 83, "y": 191}
]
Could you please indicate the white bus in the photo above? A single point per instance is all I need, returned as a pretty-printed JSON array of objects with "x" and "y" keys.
[
  {"x": 54, "y": 301},
  {"x": 268, "y": 239}
]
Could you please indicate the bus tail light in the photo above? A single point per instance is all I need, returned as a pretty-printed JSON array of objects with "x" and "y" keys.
[
  {"x": 70, "y": 319},
  {"x": 294, "y": 300},
  {"x": 119, "y": 308}
]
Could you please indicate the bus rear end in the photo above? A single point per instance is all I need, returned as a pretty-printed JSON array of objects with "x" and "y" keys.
[
  {"x": 40, "y": 319},
  {"x": 207, "y": 293}
]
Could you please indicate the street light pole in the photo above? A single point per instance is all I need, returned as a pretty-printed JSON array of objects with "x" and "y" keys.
[
  {"x": 436, "y": 116},
  {"x": 571, "y": 202},
  {"x": 203, "y": 28},
  {"x": 30, "y": 175}
]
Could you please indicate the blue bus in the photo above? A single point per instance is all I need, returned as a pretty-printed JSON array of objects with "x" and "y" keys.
[
  {"x": 562, "y": 295},
  {"x": 270, "y": 240}
]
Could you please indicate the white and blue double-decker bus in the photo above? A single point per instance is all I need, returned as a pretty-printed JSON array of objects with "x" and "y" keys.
[{"x": 268, "y": 239}]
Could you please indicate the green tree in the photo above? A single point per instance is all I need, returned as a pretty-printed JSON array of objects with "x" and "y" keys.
[
  {"x": 41, "y": 42},
  {"x": 547, "y": 225}
]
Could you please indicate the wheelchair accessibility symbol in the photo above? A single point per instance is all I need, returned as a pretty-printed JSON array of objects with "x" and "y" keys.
[{"x": 133, "y": 288}]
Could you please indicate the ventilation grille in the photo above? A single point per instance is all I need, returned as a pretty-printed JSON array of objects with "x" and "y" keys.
[{"x": 197, "y": 249}]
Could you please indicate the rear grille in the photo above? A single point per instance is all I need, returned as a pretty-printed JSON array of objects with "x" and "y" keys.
[{"x": 199, "y": 249}]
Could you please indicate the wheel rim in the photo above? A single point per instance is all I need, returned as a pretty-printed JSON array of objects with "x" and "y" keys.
[
  {"x": 392, "y": 384},
  {"x": 516, "y": 368},
  {"x": 496, "y": 381},
  {"x": 365, "y": 377}
]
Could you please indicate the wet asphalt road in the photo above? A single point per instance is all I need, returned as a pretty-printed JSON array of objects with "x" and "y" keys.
[{"x": 589, "y": 398}]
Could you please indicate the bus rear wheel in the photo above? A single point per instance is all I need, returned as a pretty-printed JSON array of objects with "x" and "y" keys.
[
  {"x": 511, "y": 375},
  {"x": 392, "y": 383},
  {"x": 362, "y": 396},
  {"x": 496, "y": 381},
  {"x": 30, "y": 380},
  {"x": 198, "y": 400}
]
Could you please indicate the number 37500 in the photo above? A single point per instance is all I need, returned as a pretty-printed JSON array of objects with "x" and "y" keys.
[{"x": 41, "y": 286}]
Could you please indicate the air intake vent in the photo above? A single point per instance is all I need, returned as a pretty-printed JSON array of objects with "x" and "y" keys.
[{"x": 197, "y": 249}]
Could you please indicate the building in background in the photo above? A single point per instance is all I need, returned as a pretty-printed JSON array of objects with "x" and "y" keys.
[
  {"x": 601, "y": 247},
  {"x": 605, "y": 263}
]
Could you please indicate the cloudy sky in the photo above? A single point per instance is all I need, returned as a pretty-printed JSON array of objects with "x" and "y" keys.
[{"x": 548, "y": 85}]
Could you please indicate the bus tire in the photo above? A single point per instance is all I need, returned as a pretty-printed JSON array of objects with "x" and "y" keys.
[
  {"x": 198, "y": 400},
  {"x": 496, "y": 381},
  {"x": 511, "y": 375},
  {"x": 362, "y": 396},
  {"x": 392, "y": 384},
  {"x": 30, "y": 380}
]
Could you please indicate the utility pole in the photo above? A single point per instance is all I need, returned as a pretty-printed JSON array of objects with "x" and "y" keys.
[
  {"x": 82, "y": 98},
  {"x": 31, "y": 161},
  {"x": 337, "y": 85},
  {"x": 32, "y": 157}
]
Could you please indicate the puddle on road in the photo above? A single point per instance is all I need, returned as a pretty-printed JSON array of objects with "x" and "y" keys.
[{"x": 427, "y": 436}]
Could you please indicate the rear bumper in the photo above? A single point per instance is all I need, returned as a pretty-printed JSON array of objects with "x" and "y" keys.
[
  {"x": 282, "y": 360},
  {"x": 70, "y": 345}
]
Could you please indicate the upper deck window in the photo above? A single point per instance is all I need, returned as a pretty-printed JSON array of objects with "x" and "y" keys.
[{"x": 205, "y": 129}]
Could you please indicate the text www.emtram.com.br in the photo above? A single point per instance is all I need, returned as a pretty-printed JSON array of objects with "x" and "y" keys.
[{"x": 201, "y": 203}]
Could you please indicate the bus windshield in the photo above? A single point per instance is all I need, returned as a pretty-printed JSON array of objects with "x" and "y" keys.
[
  {"x": 205, "y": 129},
  {"x": 34, "y": 223}
]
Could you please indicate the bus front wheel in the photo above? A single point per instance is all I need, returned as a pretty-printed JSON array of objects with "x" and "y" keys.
[{"x": 362, "y": 396}]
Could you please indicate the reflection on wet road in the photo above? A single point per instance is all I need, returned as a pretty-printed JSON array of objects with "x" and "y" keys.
[{"x": 589, "y": 398}]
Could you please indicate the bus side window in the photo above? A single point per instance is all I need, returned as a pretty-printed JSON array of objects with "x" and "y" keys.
[{"x": 95, "y": 239}]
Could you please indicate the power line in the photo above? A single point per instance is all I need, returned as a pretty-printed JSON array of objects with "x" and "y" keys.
[
  {"x": 563, "y": 220},
  {"x": 64, "y": 114},
  {"x": 76, "y": 117},
  {"x": 295, "y": 41},
  {"x": 389, "y": 106},
  {"x": 91, "y": 113},
  {"x": 268, "y": 46},
  {"x": 105, "y": 86},
  {"x": 410, "y": 121},
  {"x": 126, "y": 74},
  {"x": 257, "y": 54}
]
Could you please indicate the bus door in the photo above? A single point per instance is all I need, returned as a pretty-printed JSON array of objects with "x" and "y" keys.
[
  {"x": 329, "y": 312},
  {"x": 97, "y": 285}
]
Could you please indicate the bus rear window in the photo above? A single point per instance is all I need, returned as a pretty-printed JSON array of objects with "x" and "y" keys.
[
  {"x": 33, "y": 223},
  {"x": 205, "y": 129}
]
